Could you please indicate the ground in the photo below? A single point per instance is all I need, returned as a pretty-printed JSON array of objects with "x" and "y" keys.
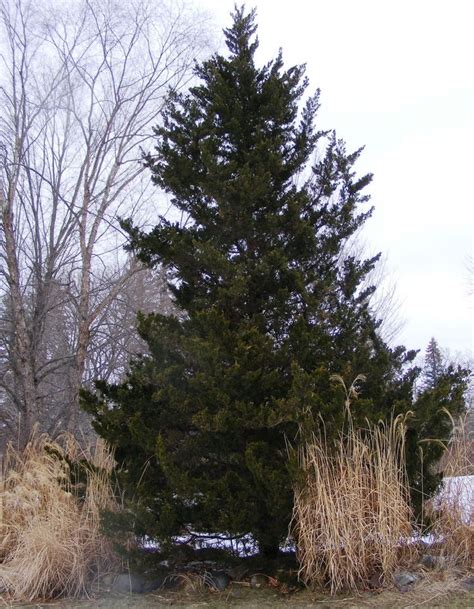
[{"x": 437, "y": 590}]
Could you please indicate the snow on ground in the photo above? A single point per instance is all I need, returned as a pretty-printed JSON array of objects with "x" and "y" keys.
[{"x": 456, "y": 491}]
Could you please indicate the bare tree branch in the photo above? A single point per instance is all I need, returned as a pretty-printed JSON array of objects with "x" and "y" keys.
[{"x": 79, "y": 94}]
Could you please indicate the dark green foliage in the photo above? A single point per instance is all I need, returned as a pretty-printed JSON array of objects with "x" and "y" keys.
[
  {"x": 442, "y": 389},
  {"x": 272, "y": 306},
  {"x": 434, "y": 366}
]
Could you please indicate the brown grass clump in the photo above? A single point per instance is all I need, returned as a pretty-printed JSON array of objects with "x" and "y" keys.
[
  {"x": 51, "y": 544},
  {"x": 352, "y": 512},
  {"x": 452, "y": 510}
]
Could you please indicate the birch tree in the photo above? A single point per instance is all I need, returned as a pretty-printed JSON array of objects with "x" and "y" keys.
[{"x": 81, "y": 85}]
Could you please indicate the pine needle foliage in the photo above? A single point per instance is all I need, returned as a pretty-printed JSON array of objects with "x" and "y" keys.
[
  {"x": 434, "y": 365},
  {"x": 271, "y": 305}
]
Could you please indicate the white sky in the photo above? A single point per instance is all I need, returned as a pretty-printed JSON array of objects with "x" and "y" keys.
[{"x": 397, "y": 78}]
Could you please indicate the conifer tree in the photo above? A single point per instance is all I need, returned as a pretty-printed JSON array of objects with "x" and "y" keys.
[
  {"x": 442, "y": 388},
  {"x": 271, "y": 305},
  {"x": 434, "y": 367}
]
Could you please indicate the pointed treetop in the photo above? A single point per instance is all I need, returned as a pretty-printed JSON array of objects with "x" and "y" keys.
[
  {"x": 434, "y": 365},
  {"x": 243, "y": 28}
]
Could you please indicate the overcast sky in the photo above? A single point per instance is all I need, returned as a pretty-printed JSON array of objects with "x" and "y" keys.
[{"x": 397, "y": 78}]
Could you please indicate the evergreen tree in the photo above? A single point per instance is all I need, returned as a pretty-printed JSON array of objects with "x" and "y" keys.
[
  {"x": 442, "y": 388},
  {"x": 434, "y": 367},
  {"x": 271, "y": 307}
]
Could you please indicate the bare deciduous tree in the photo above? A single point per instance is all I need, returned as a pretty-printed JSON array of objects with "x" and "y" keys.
[
  {"x": 384, "y": 302},
  {"x": 82, "y": 85}
]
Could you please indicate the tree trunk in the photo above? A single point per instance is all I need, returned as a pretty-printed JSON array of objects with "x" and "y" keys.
[{"x": 22, "y": 348}]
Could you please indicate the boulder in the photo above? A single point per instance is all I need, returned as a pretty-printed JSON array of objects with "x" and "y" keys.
[
  {"x": 136, "y": 583},
  {"x": 258, "y": 580},
  {"x": 403, "y": 580},
  {"x": 218, "y": 580},
  {"x": 432, "y": 561}
]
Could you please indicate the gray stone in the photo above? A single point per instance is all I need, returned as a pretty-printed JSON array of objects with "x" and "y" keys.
[
  {"x": 468, "y": 584},
  {"x": 431, "y": 561},
  {"x": 136, "y": 583},
  {"x": 259, "y": 580},
  {"x": 403, "y": 580},
  {"x": 219, "y": 580}
]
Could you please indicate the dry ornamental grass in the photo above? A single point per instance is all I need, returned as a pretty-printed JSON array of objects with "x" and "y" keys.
[
  {"x": 452, "y": 510},
  {"x": 51, "y": 544},
  {"x": 351, "y": 519},
  {"x": 352, "y": 511}
]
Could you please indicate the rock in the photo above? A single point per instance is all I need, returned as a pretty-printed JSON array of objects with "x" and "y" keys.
[
  {"x": 136, "y": 583},
  {"x": 259, "y": 580},
  {"x": 468, "y": 584},
  {"x": 219, "y": 580},
  {"x": 403, "y": 580},
  {"x": 428, "y": 561},
  {"x": 431, "y": 561}
]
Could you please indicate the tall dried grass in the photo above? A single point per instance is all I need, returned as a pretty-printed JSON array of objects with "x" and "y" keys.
[
  {"x": 452, "y": 510},
  {"x": 458, "y": 459},
  {"x": 51, "y": 543},
  {"x": 352, "y": 510}
]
